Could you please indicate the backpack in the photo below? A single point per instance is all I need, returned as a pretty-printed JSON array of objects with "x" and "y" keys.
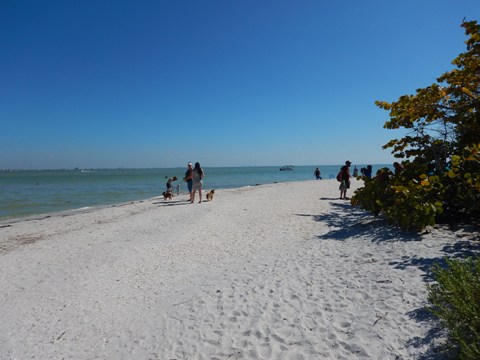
[{"x": 340, "y": 176}]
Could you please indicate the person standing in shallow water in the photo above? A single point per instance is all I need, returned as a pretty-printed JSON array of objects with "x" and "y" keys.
[
  {"x": 345, "y": 183},
  {"x": 318, "y": 174},
  {"x": 197, "y": 183}
]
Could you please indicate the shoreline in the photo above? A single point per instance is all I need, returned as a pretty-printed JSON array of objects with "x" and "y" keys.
[
  {"x": 69, "y": 212},
  {"x": 282, "y": 270},
  {"x": 27, "y": 194}
]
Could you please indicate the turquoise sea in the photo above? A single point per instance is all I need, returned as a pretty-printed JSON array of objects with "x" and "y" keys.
[{"x": 27, "y": 193}]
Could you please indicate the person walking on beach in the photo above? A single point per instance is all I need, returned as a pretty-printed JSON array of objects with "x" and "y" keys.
[
  {"x": 189, "y": 178},
  {"x": 345, "y": 180},
  {"x": 197, "y": 183},
  {"x": 318, "y": 174}
]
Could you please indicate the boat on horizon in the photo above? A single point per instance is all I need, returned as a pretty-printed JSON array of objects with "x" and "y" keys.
[{"x": 287, "y": 168}]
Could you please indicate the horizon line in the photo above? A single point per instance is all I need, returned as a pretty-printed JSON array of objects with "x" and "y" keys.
[{"x": 174, "y": 167}]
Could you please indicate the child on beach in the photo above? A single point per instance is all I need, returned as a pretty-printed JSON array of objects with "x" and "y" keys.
[{"x": 170, "y": 184}]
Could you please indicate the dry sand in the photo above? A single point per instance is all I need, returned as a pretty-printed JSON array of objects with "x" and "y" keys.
[{"x": 281, "y": 271}]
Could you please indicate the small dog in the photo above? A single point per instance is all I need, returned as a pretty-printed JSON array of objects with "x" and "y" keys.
[
  {"x": 167, "y": 195},
  {"x": 210, "y": 195}
]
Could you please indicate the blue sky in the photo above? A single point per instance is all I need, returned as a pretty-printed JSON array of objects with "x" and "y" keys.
[{"x": 108, "y": 84}]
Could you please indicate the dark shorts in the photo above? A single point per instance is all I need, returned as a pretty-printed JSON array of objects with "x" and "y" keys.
[
  {"x": 189, "y": 185},
  {"x": 344, "y": 185}
]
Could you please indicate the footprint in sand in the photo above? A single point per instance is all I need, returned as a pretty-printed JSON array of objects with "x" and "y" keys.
[
  {"x": 345, "y": 324},
  {"x": 278, "y": 338}
]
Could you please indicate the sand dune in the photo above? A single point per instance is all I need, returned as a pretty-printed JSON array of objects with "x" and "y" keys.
[{"x": 281, "y": 271}]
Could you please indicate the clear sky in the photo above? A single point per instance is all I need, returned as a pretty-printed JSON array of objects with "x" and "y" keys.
[{"x": 115, "y": 83}]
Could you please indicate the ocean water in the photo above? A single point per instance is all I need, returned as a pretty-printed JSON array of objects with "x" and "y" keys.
[{"x": 27, "y": 193}]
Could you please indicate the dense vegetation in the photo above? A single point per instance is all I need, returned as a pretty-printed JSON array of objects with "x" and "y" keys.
[
  {"x": 439, "y": 174},
  {"x": 437, "y": 179}
]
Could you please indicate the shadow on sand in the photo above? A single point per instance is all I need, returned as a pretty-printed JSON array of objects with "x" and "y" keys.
[
  {"x": 348, "y": 221},
  {"x": 351, "y": 222},
  {"x": 171, "y": 202}
]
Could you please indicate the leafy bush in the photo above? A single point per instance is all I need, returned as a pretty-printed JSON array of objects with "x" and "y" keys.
[
  {"x": 416, "y": 197},
  {"x": 455, "y": 300},
  {"x": 463, "y": 184},
  {"x": 441, "y": 151},
  {"x": 408, "y": 200}
]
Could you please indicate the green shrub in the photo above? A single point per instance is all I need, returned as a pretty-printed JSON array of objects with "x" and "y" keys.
[
  {"x": 407, "y": 200},
  {"x": 440, "y": 149},
  {"x": 418, "y": 197},
  {"x": 455, "y": 300},
  {"x": 463, "y": 185}
]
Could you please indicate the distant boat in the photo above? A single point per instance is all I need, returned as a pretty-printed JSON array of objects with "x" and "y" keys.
[{"x": 287, "y": 168}]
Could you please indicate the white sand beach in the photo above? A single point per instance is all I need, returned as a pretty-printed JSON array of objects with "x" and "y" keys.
[{"x": 280, "y": 271}]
